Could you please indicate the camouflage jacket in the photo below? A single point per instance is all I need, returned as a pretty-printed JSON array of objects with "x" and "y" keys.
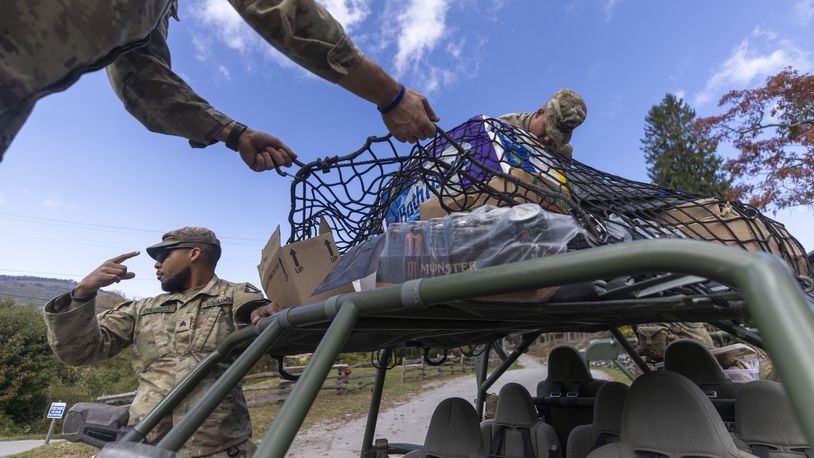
[
  {"x": 519, "y": 120},
  {"x": 170, "y": 333},
  {"x": 46, "y": 46}
]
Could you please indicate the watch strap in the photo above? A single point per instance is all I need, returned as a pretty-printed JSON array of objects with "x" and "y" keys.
[{"x": 234, "y": 135}]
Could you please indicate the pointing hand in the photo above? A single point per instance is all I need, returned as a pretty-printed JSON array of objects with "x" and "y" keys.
[{"x": 111, "y": 271}]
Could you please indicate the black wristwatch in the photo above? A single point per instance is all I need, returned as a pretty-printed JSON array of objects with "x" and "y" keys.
[{"x": 234, "y": 135}]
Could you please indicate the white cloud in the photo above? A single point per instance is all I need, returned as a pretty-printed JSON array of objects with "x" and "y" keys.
[
  {"x": 415, "y": 36},
  {"x": 421, "y": 24},
  {"x": 428, "y": 53},
  {"x": 2, "y": 200},
  {"x": 680, "y": 94},
  {"x": 349, "y": 13},
  {"x": 803, "y": 11},
  {"x": 609, "y": 8},
  {"x": 202, "y": 45},
  {"x": 223, "y": 73},
  {"x": 227, "y": 24},
  {"x": 752, "y": 61},
  {"x": 218, "y": 23}
]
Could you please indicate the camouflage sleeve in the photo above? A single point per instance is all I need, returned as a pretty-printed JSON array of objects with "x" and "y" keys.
[
  {"x": 247, "y": 297},
  {"x": 519, "y": 120},
  {"x": 160, "y": 99},
  {"x": 305, "y": 32},
  {"x": 79, "y": 336}
]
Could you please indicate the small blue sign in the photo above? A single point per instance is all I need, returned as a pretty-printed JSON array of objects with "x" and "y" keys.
[{"x": 56, "y": 410}]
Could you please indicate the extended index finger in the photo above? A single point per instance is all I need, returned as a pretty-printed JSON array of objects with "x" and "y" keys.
[{"x": 124, "y": 257}]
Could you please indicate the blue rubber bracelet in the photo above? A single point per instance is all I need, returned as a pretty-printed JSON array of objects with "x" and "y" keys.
[{"x": 394, "y": 103}]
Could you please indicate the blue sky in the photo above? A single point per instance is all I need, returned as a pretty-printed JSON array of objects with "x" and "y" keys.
[{"x": 84, "y": 181}]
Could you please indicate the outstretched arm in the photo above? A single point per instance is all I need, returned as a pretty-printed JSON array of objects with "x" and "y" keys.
[
  {"x": 410, "y": 120},
  {"x": 164, "y": 103},
  {"x": 305, "y": 32}
]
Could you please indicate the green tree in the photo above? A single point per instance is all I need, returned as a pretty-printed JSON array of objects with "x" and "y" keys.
[
  {"x": 27, "y": 365},
  {"x": 677, "y": 155}
]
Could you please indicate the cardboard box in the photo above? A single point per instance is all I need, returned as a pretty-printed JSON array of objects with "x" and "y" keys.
[
  {"x": 432, "y": 208},
  {"x": 289, "y": 274}
]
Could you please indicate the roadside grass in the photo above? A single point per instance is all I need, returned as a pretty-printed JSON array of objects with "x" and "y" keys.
[
  {"x": 329, "y": 407},
  {"x": 614, "y": 374}
]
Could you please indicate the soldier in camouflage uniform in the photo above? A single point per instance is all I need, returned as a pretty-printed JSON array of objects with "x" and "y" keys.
[
  {"x": 554, "y": 122},
  {"x": 655, "y": 337},
  {"x": 170, "y": 333},
  {"x": 46, "y": 46},
  {"x": 553, "y": 125}
]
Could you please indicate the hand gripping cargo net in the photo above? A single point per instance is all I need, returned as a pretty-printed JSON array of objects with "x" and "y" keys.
[{"x": 486, "y": 161}]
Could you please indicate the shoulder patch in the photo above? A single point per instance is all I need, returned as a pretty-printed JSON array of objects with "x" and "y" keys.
[
  {"x": 121, "y": 305},
  {"x": 249, "y": 288}
]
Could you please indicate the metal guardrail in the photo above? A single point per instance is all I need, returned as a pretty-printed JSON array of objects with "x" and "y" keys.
[{"x": 773, "y": 297}]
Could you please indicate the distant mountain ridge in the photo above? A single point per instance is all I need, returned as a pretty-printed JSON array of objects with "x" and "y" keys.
[{"x": 39, "y": 290}]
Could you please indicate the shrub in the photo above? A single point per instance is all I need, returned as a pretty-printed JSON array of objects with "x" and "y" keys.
[{"x": 27, "y": 365}]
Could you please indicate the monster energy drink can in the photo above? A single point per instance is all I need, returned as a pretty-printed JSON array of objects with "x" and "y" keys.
[
  {"x": 391, "y": 260},
  {"x": 469, "y": 237},
  {"x": 394, "y": 239}
]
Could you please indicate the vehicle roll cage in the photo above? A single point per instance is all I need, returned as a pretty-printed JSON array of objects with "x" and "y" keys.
[{"x": 444, "y": 312}]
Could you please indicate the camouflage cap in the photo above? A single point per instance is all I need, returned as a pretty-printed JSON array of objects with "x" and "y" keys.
[
  {"x": 564, "y": 111},
  {"x": 184, "y": 235}
]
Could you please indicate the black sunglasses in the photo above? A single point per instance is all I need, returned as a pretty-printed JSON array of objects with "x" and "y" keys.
[{"x": 164, "y": 253}]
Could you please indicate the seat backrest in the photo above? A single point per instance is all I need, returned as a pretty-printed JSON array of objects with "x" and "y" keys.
[
  {"x": 453, "y": 433},
  {"x": 666, "y": 415},
  {"x": 692, "y": 360},
  {"x": 570, "y": 380},
  {"x": 516, "y": 431},
  {"x": 607, "y": 424},
  {"x": 765, "y": 423}
]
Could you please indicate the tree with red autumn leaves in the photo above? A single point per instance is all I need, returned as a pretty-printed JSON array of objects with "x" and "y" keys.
[{"x": 773, "y": 128}]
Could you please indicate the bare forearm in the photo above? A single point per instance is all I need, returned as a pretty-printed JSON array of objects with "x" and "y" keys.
[{"x": 371, "y": 82}]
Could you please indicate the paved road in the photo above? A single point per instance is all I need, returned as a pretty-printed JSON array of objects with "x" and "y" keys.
[
  {"x": 407, "y": 422},
  {"x": 12, "y": 447}
]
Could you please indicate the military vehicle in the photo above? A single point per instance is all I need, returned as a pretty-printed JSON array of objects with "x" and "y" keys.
[{"x": 609, "y": 277}]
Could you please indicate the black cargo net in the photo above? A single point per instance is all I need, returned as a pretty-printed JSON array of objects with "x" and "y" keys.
[{"x": 486, "y": 161}]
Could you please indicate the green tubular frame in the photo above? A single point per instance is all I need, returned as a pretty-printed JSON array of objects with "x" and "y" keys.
[
  {"x": 505, "y": 364},
  {"x": 375, "y": 401},
  {"x": 774, "y": 299}
]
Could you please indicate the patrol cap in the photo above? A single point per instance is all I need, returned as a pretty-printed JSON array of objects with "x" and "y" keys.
[
  {"x": 565, "y": 110},
  {"x": 182, "y": 238}
]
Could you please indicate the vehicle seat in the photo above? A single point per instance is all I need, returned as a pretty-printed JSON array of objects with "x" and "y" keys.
[
  {"x": 568, "y": 392},
  {"x": 692, "y": 360},
  {"x": 516, "y": 431},
  {"x": 666, "y": 415},
  {"x": 453, "y": 433},
  {"x": 765, "y": 424},
  {"x": 610, "y": 398}
]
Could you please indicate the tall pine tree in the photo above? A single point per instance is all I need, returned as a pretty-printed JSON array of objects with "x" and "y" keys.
[{"x": 677, "y": 155}]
